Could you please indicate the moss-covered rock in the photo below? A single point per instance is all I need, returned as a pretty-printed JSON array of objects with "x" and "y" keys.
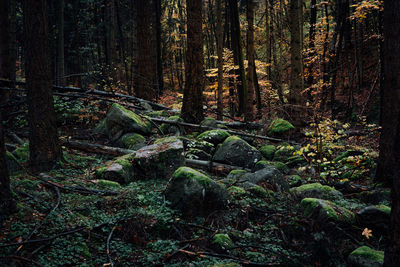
[
  {"x": 236, "y": 174},
  {"x": 213, "y": 136},
  {"x": 118, "y": 170},
  {"x": 108, "y": 184},
  {"x": 376, "y": 218},
  {"x": 279, "y": 127},
  {"x": 375, "y": 197},
  {"x": 294, "y": 180},
  {"x": 324, "y": 210},
  {"x": 223, "y": 241},
  {"x": 133, "y": 141},
  {"x": 168, "y": 128},
  {"x": 257, "y": 191},
  {"x": 22, "y": 152},
  {"x": 366, "y": 257},
  {"x": 157, "y": 113},
  {"x": 198, "y": 154},
  {"x": 209, "y": 122},
  {"x": 236, "y": 191},
  {"x": 269, "y": 176},
  {"x": 120, "y": 120},
  {"x": 282, "y": 167},
  {"x": 237, "y": 152},
  {"x": 197, "y": 144},
  {"x": 194, "y": 193},
  {"x": 268, "y": 151},
  {"x": 316, "y": 190},
  {"x": 283, "y": 153},
  {"x": 261, "y": 165}
]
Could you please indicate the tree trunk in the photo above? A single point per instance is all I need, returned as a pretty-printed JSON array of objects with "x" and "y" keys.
[
  {"x": 249, "y": 112},
  {"x": 311, "y": 46},
  {"x": 7, "y": 203},
  {"x": 296, "y": 62},
  {"x": 110, "y": 38},
  {"x": 192, "y": 108},
  {"x": 160, "y": 78},
  {"x": 268, "y": 32},
  {"x": 43, "y": 140},
  {"x": 60, "y": 44},
  {"x": 389, "y": 158},
  {"x": 8, "y": 44},
  {"x": 220, "y": 61},
  {"x": 145, "y": 65},
  {"x": 238, "y": 55}
]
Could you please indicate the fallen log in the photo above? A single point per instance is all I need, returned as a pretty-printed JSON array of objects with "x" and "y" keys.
[
  {"x": 213, "y": 128},
  {"x": 96, "y": 148},
  {"x": 213, "y": 166}
]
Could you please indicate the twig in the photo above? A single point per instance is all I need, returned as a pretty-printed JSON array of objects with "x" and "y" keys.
[{"x": 108, "y": 247}]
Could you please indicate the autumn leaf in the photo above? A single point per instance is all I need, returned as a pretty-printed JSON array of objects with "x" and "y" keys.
[{"x": 367, "y": 233}]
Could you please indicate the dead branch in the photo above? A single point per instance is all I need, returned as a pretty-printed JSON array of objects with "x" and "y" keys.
[
  {"x": 96, "y": 148},
  {"x": 108, "y": 247}
]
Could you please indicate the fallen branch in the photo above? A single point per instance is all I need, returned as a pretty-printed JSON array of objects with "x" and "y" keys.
[
  {"x": 213, "y": 128},
  {"x": 96, "y": 148},
  {"x": 210, "y": 165},
  {"x": 108, "y": 247}
]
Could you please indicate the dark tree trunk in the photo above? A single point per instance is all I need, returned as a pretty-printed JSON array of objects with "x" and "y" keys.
[
  {"x": 249, "y": 112},
  {"x": 220, "y": 60},
  {"x": 238, "y": 54},
  {"x": 7, "y": 203},
  {"x": 7, "y": 44},
  {"x": 60, "y": 44},
  {"x": 313, "y": 21},
  {"x": 389, "y": 158},
  {"x": 145, "y": 66},
  {"x": 43, "y": 140},
  {"x": 192, "y": 109},
  {"x": 160, "y": 77}
]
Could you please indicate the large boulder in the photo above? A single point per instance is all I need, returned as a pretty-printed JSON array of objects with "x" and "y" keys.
[
  {"x": 167, "y": 128},
  {"x": 133, "y": 141},
  {"x": 376, "y": 218},
  {"x": 213, "y": 136},
  {"x": 237, "y": 152},
  {"x": 269, "y": 177},
  {"x": 160, "y": 160},
  {"x": 280, "y": 127},
  {"x": 268, "y": 151},
  {"x": 194, "y": 193},
  {"x": 209, "y": 122},
  {"x": 119, "y": 121},
  {"x": 316, "y": 190},
  {"x": 325, "y": 210},
  {"x": 118, "y": 170},
  {"x": 366, "y": 257}
]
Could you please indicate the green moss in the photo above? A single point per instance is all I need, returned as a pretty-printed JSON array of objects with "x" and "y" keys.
[
  {"x": 279, "y": 126},
  {"x": 169, "y": 139},
  {"x": 326, "y": 190},
  {"x": 258, "y": 191},
  {"x": 295, "y": 180},
  {"x": 209, "y": 122},
  {"x": 237, "y": 172},
  {"x": 384, "y": 208},
  {"x": 268, "y": 151},
  {"x": 309, "y": 204},
  {"x": 222, "y": 240},
  {"x": 84, "y": 249},
  {"x": 214, "y": 136},
  {"x": 189, "y": 173},
  {"x": 125, "y": 161},
  {"x": 22, "y": 153},
  {"x": 145, "y": 123},
  {"x": 283, "y": 153},
  {"x": 236, "y": 191},
  {"x": 369, "y": 253},
  {"x": 100, "y": 171},
  {"x": 107, "y": 183},
  {"x": 158, "y": 113},
  {"x": 282, "y": 167},
  {"x": 132, "y": 140}
]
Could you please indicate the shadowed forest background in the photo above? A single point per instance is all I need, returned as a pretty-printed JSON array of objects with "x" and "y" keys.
[{"x": 199, "y": 133}]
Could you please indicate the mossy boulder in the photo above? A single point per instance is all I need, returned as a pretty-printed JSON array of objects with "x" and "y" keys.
[
  {"x": 198, "y": 154},
  {"x": 194, "y": 193},
  {"x": 269, "y": 177},
  {"x": 133, "y": 141},
  {"x": 158, "y": 161},
  {"x": 366, "y": 257},
  {"x": 236, "y": 174},
  {"x": 236, "y": 191},
  {"x": 108, "y": 184},
  {"x": 168, "y": 128},
  {"x": 209, "y": 122},
  {"x": 316, "y": 190},
  {"x": 213, "y": 136},
  {"x": 375, "y": 197},
  {"x": 222, "y": 241},
  {"x": 325, "y": 210},
  {"x": 197, "y": 144},
  {"x": 157, "y": 113},
  {"x": 118, "y": 170},
  {"x": 282, "y": 167},
  {"x": 237, "y": 152},
  {"x": 257, "y": 191},
  {"x": 120, "y": 120},
  {"x": 280, "y": 127},
  {"x": 22, "y": 152},
  {"x": 268, "y": 151},
  {"x": 376, "y": 218}
]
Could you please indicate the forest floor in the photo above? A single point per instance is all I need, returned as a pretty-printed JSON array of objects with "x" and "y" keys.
[{"x": 69, "y": 217}]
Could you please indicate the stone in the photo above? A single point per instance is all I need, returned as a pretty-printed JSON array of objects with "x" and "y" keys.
[
  {"x": 280, "y": 127},
  {"x": 194, "y": 193},
  {"x": 268, "y": 176},
  {"x": 119, "y": 121},
  {"x": 198, "y": 154},
  {"x": 375, "y": 197},
  {"x": 376, "y": 218},
  {"x": 157, "y": 114},
  {"x": 237, "y": 152},
  {"x": 316, "y": 190},
  {"x": 168, "y": 128},
  {"x": 325, "y": 210},
  {"x": 268, "y": 151},
  {"x": 196, "y": 144},
  {"x": 366, "y": 257},
  {"x": 118, "y": 170},
  {"x": 213, "y": 136},
  {"x": 133, "y": 141},
  {"x": 158, "y": 161},
  {"x": 209, "y": 122}
]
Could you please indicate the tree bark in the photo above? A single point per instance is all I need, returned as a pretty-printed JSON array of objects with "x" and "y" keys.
[
  {"x": 43, "y": 140},
  {"x": 160, "y": 78},
  {"x": 249, "y": 112},
  {"x": 60, "y": 44},
  {"x": 389, "y": 158},
  {"x": 220, "y": 61},
  {"x": 296, "y": 61},
  {"x": 192, "y": 108}
]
